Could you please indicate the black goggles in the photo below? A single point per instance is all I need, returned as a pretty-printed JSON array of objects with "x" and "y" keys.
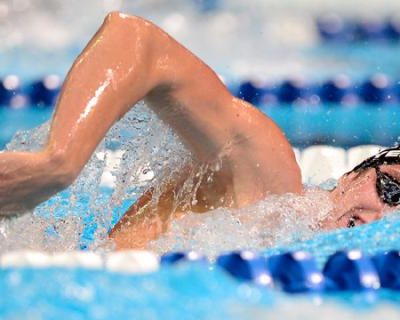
[{"x": 387, "y": 187}]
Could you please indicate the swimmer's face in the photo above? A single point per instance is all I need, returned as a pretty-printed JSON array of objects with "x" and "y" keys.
[{"x": 356, "y": 200}]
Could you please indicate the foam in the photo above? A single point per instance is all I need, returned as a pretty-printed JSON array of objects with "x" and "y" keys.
[
  {"x": 139, "y": 153},
  {"x": 276, "y": 220}
]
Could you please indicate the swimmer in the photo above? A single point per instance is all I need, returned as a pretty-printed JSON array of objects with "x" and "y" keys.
[{"x": 130, "y": 59}]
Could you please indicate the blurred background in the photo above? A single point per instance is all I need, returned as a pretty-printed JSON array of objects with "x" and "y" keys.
[{"x": 326, "y": 71}]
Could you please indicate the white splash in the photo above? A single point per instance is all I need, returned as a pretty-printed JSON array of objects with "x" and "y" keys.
[
  {"x": 62, "y": 223},
  {"x": 276, "y": 220},
  {"x": 150, "y": 147}
]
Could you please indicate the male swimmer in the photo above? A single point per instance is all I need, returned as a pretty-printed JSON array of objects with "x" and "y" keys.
[{"x": 130, "y": 59}]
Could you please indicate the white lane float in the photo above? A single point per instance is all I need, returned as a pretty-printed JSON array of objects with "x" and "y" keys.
[{"x": 129, "y": 261}]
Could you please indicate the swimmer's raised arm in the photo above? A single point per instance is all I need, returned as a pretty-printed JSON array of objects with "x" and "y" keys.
[{"x": 129, "y": 59}]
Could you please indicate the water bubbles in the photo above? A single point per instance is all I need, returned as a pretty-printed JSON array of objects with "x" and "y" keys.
[
  {"x": 276, "y": 220},
  {"x": 31, "y": 140},
  {"x": 38, "y": 233},
  {"x": 148, "y": 153},
  {"x": 141, "y": 153}
]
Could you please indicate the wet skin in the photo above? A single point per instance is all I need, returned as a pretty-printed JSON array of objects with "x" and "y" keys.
[{"x": 130, "y": 59}]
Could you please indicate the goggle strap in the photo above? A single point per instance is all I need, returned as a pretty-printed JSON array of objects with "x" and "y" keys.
[{"x": 387, "y": 156}]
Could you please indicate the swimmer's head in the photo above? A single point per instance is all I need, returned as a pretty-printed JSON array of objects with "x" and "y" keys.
[
  {"x": 355, "y": 201},
  {"x": 365, "y": 193}
]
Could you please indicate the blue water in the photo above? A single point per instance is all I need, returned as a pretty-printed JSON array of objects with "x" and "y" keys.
[
  {"x": 194, "y": 291},
  {"x": 372, "y": 238},
  {"x": 303, "y": 125},
  {"x": 356, "y": 60},
  {"x": 338, "y": 125},
  {"x": 185, "y": 292},
  {"x": 22, "y": 119},
  {"x": 82, "y": 294}
]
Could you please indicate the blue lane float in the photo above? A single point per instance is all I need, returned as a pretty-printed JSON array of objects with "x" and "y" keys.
[
  {"x": 246, "y": 266},
  {"x": 292, "y": 90},
  {"x": 40, "y": 93},
  {"x": 297, "y": 272},
  {"x": 351, "y": 271},
  {"x": 11, "y": 93},
  {"x": 333, "y": 28},
  {"x": 207, "y": 6},
  {"x": 250, "y": 92},
  {"x": 336, "y": 90},
  {"x": 44, "y": 92},
  {"x": 388, "y": 268},
  {"x": 377, "y": 89},
  {"x": 173, "y": 258}
]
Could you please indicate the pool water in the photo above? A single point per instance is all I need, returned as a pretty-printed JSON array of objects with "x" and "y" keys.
[
  {"x": 192, "y": 291},
  {"x": 80, "y": 217}
]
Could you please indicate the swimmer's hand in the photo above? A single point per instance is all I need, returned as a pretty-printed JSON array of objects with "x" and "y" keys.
[{"x": 27, "y": 179}]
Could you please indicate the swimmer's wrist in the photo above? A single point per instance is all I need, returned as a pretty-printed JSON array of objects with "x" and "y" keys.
[{"x": 56, "y": 166}]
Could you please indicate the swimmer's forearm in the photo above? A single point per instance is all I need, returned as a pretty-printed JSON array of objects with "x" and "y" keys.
[{"x": 26, "y": 179}]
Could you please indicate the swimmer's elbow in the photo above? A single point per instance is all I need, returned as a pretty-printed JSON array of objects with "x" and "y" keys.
[
  {"x": 117, "y": 17},
  {"x": 114, "y": 16},
  {"x": 123, "y": 20}
]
